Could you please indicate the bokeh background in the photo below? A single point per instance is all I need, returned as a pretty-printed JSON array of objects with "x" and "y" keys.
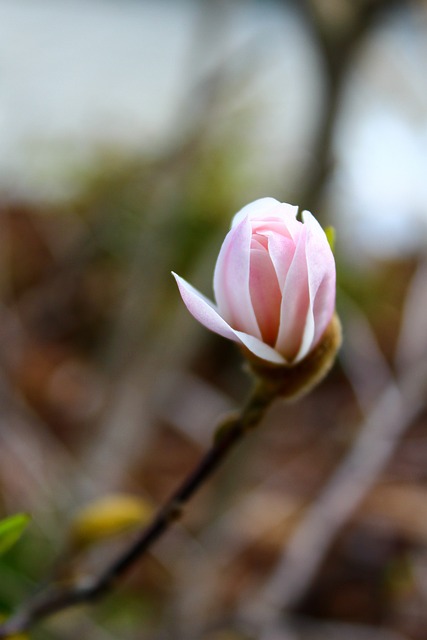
[{"x": 130, "y": 132}]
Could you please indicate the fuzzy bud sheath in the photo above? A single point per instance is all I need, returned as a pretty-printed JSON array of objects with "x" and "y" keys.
[{"x": 291, "y": 382}]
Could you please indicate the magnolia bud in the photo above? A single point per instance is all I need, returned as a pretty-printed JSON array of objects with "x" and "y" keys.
[{"x": 274, "y": 284}]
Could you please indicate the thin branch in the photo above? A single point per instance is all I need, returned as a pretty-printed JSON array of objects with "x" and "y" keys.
[{"x": 58, "y": 598}]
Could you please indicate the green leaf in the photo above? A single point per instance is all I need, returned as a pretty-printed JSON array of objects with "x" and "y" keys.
[
  {"x": 11, "y": 530},
  {"x": 330, "y": 235}
]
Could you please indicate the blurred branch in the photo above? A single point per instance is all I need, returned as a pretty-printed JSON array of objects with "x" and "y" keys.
[
  {"x": 397, "y": 406},
  {"x": 363, "y": 362},
  {"x": 57, "y": 598},
  {"x": 412, "y": 343},
  {"x": 337, "y": 48},
  {"x": 394, "y": 412}
]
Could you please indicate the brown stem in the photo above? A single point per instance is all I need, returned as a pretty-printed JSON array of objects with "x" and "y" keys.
[{"x": 57, "y": 598}]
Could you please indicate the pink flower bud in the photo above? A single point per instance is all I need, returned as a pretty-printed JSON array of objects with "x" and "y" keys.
[{"x": 274, "y": 283}]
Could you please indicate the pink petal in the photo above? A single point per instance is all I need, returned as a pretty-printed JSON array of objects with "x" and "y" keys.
[
  {"x": 281, "y": 252},
  {"x": 289, "y": 217},
  {"x": 255, "y": 209},
  {"x": 231, "y": 280},
  {"x": 321, "y": 275},
  {"x": 307, "y": 341},
  {"x": 295, "y": 303},
  {"x": 283, "y": 222},
  {"x": 265, "y": 293},
  {"x": 203, "y": 309},
  {"x": 260, "y": 349}
]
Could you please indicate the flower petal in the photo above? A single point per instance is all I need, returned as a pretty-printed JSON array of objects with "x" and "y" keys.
[
  {"x": 231, "y": 280},
  {"x": 265, "y": 292},
  {"x": 281, "y": 251},
  {"x": 256, "y": 209},
  {"x": 260, "y": 349},
  {"x": 203, "y": 309},
  {"x": 321, "y": 275},
  {"x": 295, "y": 303},
  {"x": 282, "y": 221},
  {"x": 307, "y": 341}
]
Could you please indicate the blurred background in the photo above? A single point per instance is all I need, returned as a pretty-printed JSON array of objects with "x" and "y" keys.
[{"x": 131, "y": 131}]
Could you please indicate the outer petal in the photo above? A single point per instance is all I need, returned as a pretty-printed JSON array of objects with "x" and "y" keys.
[
  {"x": 307, "y": 341},
  {"x": 281, "y": 220},
  {"x": 294, "y": 226},
  {"x": 266, "y": 208},
  {"x": 281, "y": 251},
  {"x": 295, "y": 303},
  {"x": 231, "y": 280},
  {"x": 321, "y": 276},
  {"x": 204, "y": 311},
  {"x": 260, "y": 349},
  {"x": 256, "y": 209}
]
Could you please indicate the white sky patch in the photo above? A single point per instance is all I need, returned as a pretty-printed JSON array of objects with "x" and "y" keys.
[
  {"x": 381, "y": 183},
  {"x": 77, "y": 76},
  {"x": 81, "y": 73}
]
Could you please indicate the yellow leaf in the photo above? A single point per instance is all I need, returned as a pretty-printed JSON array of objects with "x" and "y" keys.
[{"x": 109, "y": 517}]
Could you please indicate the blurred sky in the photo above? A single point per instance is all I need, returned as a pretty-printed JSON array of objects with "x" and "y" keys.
[{"x": 76, "y": 75}]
